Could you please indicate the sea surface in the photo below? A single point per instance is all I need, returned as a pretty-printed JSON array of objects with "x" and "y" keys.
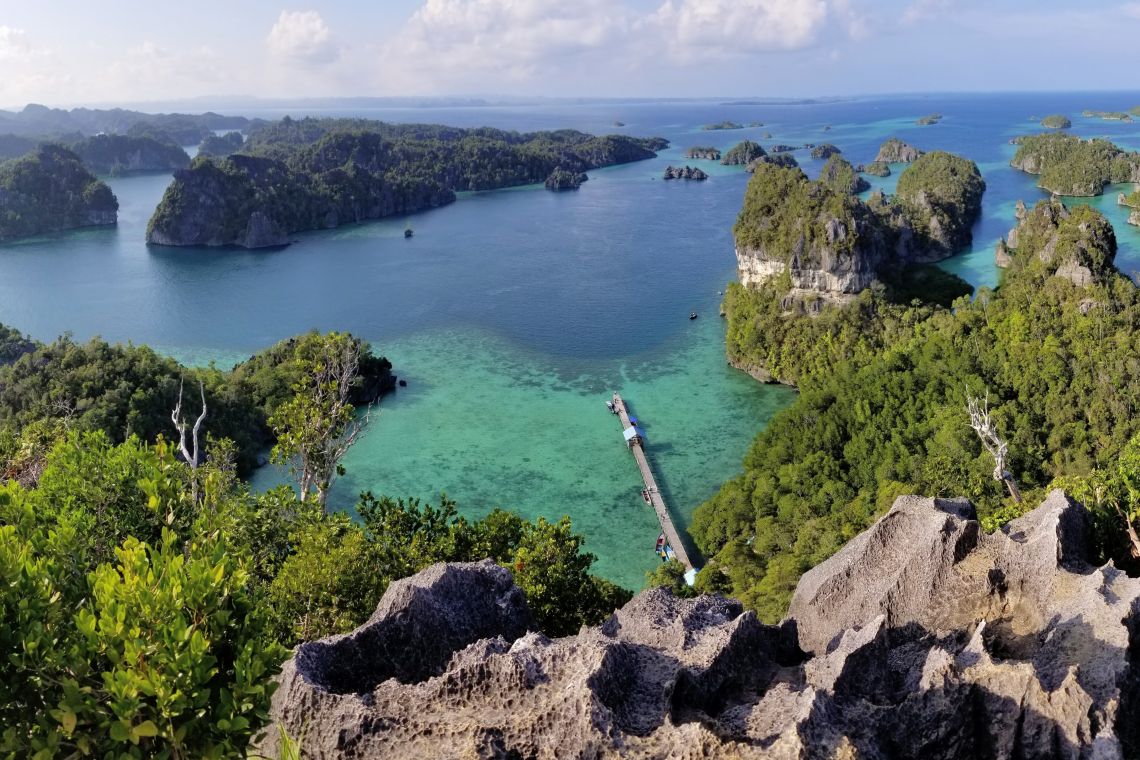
[{"x": 513, "y": 315}]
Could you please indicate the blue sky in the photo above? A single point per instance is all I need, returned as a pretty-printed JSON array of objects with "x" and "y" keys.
[{"x": 67, "y": 52}]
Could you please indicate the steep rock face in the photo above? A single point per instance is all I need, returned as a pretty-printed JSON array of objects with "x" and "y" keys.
[
  {"x": 922, "y": 638},
  {"x": 1076, "y": 244},
  {"x": 684, "y": 172},
  {"x": 943, "y": 194},
  {"x": 561, "y": 179},
  {"x": 895, "y": 151}
]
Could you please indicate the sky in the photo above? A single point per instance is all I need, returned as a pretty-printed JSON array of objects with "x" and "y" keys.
[{"x": 76, "y": 52}]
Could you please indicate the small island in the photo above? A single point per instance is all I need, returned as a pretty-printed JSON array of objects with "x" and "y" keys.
[
  {"x": 1068, "y": 165},
  {"x": 684, "y": 172},
  {"x": 1056, "y": 121},
  {"x": 564, "y": 179},
  {"x": 841, "y": 177},
  {"x": 824, "y": 151},
  {"x": 116, "y": 155},
  {"x": 50, "y": 190},
  {"x": 702, "y": 153},
  {"x": 742, "y": 154},
  {"x": 722, "y": 125},
  {"x": 929, "y": 120},
  {"x": 619, "y": 124},
  {"x": 876, "y": 169},
  {"x": 895, "y": 151},
  {"x": 781, "y": 148},
  {"x": 1108, "y": 115}
]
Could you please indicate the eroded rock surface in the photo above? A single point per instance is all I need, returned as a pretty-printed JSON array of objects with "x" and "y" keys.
[{"x": 923, "y": 637}]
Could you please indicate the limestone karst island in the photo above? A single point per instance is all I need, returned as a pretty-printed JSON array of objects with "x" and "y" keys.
[{"x": 546, "y": 380}]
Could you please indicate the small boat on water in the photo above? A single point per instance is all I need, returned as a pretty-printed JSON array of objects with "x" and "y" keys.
[
  {"x": 409, "y": 232},
  {"x": 692, "y": 315}
]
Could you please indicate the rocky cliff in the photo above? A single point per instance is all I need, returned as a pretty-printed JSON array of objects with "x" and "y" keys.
[
  {"x": 1075, "y": 244},
  {"x": 895, "y": 151},
  {"x": 834, "y": 245},
  {"x": 923, "y": 637}
]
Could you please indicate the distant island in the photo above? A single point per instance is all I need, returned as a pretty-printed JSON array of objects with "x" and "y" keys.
[
  {"x": 876, "y": 169},
  {"x": 895, "y": 151},
  {"x": 722, "y": 126},
  {"x": 112, "y": 155},
  {"x": 929, "y": 119},
  {"x": 824, "y": 151},
  {"x": 684, "y": 172},
  {"x": 1109, "y": 115},
  {"x": 1068, "y": 165},
  {"x": 307, "y": 174},
  {"x": 703, "y": 153},
  {"x": 68, "y": 125},
  {"x": 1056, "y": 121},
  {"x": 743, "y": 153},
  {"x": 50, "y": 190}
]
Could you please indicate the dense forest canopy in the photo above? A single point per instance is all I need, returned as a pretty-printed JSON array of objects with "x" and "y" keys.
[
  {"x": 300, "y": 174},
  {"x": 881, "y": 409},
  {"x": 50, "y": 190}
]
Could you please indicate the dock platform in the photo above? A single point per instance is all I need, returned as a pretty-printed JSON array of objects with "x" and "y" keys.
[{"x": 637, "y": 447}]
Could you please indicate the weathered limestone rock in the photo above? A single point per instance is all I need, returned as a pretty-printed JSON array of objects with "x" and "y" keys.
[
  {"x": 923, "y": 637},
  {"x": 895, "y": 151}
]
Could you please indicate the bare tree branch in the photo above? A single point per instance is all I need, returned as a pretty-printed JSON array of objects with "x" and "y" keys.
[{"x": 983, "y": 425}]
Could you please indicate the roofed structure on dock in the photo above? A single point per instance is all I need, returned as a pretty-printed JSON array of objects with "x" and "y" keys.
[{"x": 632, "y": 434}]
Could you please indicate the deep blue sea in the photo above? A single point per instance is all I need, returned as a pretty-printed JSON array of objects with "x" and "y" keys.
[{"x": 514, "y": 314}]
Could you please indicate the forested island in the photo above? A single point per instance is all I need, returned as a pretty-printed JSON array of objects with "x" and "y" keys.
[
  {"x": 184, "y": 129},
  {"x": 743, "y": 153},
  {"x": 320, "y": 173},
  {"x": 221, "y": 145},
  {"x": 929, "y": 120},
  {"x": 50, "y": 190},
  {"x": 1056, "y": 121},
  {"x": 1069, "y": 165},
  {"x": 1108, "y": 115},
  {"x": 723, "y": 125},
  {"x": 884, "y": 380}
]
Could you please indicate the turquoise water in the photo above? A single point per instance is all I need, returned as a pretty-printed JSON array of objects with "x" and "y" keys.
[{"x": 513, "y": 315}]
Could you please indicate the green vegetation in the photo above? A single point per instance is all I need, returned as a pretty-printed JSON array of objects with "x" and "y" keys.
[
  {"x": 1056, "y": 121},
  {"x": 841, "y": 177},
  {"x": 1069, "y": 165},
  {"x": 929, "y": 119},
  {"x": 317, "y": 173},
  {"x": 48, "y": 191},
  {"x": 942, "y": 195},
  {"x": 881, "y": 409},
  {"x": 221, "y": 145},
  {"x": 824, "y": 151},
  {"x": 146, "y": 602},
  {"x": 130, "y": 391},
  {"x": 722, "y": 125},
  {"x": 878, "y": 169},
  {"x": 742, "y": 154},
  {"x": 1132, "y": 199}
]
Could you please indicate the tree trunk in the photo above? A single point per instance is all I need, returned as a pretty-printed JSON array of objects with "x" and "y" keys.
[{"x": 1016, "y": 494}]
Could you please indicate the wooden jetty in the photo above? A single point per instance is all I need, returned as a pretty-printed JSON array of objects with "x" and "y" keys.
[{"x": 637, "y": 446}]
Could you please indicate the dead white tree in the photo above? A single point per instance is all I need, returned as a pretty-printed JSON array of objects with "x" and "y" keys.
[
  {"x": 984, "y": 426},
  {"x": 189, "y": 452}
]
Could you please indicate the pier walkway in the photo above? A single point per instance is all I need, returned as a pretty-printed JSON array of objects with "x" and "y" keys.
[{"x": 637, "y": 446}]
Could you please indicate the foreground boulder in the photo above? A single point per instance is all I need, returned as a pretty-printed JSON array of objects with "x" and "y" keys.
[{"x": 923, "y": 637}]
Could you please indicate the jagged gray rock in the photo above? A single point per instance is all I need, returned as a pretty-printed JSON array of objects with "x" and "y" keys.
[
  {"x": 923, "y": 637},
  {"x": 895, "y": 151}
]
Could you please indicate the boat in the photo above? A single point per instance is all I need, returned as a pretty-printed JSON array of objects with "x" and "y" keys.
[
  {"x": 409, "y": 232},
  {"x": 692, "y": 315}
]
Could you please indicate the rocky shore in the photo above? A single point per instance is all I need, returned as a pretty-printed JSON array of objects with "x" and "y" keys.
[{"x": 923, "y": 637}]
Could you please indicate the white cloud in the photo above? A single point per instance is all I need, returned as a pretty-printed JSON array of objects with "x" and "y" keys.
[
  {"x": 1131, "y": 9},
  {"x": 741, "y": 26},
  {"x": 302, "y": 35},
  {"x": 13, "y": 43},
  {"x": 516, "y": 39}
]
